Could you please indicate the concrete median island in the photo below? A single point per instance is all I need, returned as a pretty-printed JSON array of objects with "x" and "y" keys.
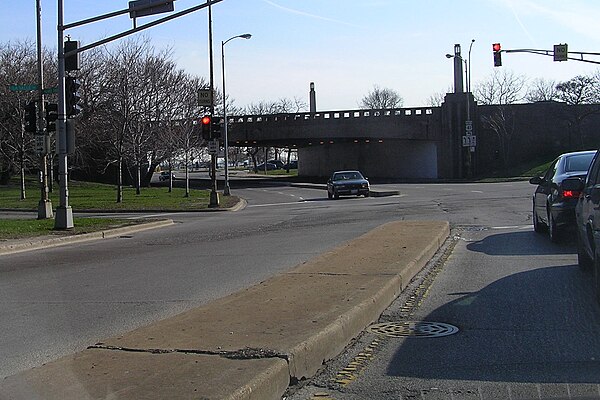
[{"x": 253, "y": 343}]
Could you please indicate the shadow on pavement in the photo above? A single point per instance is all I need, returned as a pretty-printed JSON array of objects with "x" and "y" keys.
[
  {"x": 539, "y": 326},
  {"x": 521, "y": 243}
]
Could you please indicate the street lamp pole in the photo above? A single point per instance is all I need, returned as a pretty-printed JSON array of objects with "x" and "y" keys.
[
  {"x": 226, "y": 189},
  {"x": 469, "y": 69}
]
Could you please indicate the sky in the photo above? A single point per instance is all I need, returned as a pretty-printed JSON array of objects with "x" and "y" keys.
[{"x": 346, "y": 47}]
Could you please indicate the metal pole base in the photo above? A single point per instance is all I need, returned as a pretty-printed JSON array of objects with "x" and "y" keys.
[
  {"x": 214, "y": 199},
  {"x": 64, "y": 218},
  {"x": 45, "y": 209},
  {"x": 226, "y": 190}
]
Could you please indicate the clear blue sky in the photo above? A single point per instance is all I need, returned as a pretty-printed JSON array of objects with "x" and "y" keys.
[{"x": 344, "y": 46}]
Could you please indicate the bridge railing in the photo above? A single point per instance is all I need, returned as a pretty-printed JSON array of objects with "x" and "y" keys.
[{"x": 413, "y": 112}]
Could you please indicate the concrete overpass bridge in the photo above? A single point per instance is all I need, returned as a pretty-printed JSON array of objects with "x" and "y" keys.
[{"x": 404, "y": 143}]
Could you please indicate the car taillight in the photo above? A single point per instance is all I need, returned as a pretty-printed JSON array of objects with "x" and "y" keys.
[{"x": 570, "y": 194}]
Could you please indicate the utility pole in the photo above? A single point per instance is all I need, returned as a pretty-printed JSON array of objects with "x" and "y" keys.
[{"x": 45, "y": 205}]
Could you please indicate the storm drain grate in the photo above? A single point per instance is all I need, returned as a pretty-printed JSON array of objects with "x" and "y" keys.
[{"x": 421, "y": 329}]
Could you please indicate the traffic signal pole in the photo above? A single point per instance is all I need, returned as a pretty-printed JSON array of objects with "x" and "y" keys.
[
  {"x": 44, "y": 205},
  {"x": 64, "y": 213},
  {"x": 214, "y": 195}
]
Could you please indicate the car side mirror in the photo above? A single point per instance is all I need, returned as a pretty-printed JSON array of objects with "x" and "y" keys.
[
  {"x": 574, "y": 184},
  {"x": 536, "y": 180}
]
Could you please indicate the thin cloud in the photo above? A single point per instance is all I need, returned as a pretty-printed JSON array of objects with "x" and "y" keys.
[
  {"x": 512, "y": 8},
  {"x": 305, "y": 14}
]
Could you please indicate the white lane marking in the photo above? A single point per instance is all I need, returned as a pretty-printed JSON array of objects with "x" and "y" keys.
[
  {"x": 512, "y": 227},
  {"x": 278, "y": 204},
  {"x": 476, "y": 191},
  {"x": 155, "y": 215}
]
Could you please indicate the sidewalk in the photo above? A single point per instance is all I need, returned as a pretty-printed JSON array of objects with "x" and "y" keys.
[{"x": 251, "y": 344}]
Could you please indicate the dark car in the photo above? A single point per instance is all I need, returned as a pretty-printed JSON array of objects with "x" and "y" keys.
[
  {"x": 347, "y": 183},
  {"x": 291, "y": 165},
  {"x": 553, "y": 206},
  {"x": 278, "y": 163},
  {"x": 164, "y": 176},
  {"x": 261, "y": 167},
  {"x": 587, "y": 219}
]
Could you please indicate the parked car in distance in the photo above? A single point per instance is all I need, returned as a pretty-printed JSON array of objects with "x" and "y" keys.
[
  {"x": 553, "y": 205},
  {"x": 164, "y": 176},
  {"x": 347, "y": 183},
  {"x": 292, "y": 165},
  {"x": 278, "y": 163},
  {"x": 587, "y": 219},
  {"x": 261, "y": 167}
]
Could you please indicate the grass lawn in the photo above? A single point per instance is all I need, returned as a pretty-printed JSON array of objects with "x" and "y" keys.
[
  {"x": 96, "y": 196},
  {"x": 278, "y": 172},
  {"x": 24, "y": 228}
]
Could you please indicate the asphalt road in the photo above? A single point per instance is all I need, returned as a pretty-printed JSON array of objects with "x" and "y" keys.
[
  {"x": 529, "y": 327},
  {"x": 57, "y": 301}
]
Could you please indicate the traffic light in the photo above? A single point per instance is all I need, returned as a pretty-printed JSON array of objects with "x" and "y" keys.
[
  {"x": 72, "y": 96},
  {"x": 206, "y": 123},
  {"x": 31, "y": 117},
  {"x": 51, "y": 110},
  {"x": 216, "y": 128},
  {"x": 72, "y": 61},
  {"x": 497, "y": 54}
]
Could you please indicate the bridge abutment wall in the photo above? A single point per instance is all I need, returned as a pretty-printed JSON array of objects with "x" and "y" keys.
[{"x": 389, "y": 159}]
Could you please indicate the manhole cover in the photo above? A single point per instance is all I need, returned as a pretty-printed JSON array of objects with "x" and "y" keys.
[{"x": 424, "y": 329}]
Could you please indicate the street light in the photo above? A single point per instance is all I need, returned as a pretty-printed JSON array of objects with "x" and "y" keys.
[
  {"x": 226, "y": 189},
  {"x": 469, "y": 62}
]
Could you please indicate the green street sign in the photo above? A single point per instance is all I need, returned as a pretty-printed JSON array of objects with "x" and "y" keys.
[
  {"x": 23, "y": 88},
  {"x": 50, "y": 90}
]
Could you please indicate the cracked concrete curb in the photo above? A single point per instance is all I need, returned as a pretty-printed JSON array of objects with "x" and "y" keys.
[
  {"x": 251, "y": 344},
  {"x": 46, "y": 242}
]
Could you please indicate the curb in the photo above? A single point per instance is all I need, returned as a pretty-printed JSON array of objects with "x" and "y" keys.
[
  {"x": 46, "y": 242},
  {"x": 249, "y": 345}
]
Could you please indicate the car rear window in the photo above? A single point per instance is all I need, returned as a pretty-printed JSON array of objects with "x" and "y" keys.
[
  {"x": 347, "y": 176},
  {"x": 579, "y": 162}
]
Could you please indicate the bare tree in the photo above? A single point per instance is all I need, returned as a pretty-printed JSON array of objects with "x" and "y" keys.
[
  {"x": 541, "y": 89},
  {"x": 437, "y": 99},
  {"x": 579, "y": 94},
  {"x": 379, "y": 99},
  {"x": 501, "y": 89},
  {"x": 18, "y": 62},
  {"x": 281, "y": 106}
]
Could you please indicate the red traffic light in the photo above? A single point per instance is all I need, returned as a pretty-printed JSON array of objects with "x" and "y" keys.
[
  {"x": 205, "y": 120},
  {"x": 496, "y": 47}
]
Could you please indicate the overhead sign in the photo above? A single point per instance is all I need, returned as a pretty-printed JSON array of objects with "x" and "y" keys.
[
  {"x": 205, "y": 97},
  {"x": 560, "y": 52},
  {"x": 142, "y": 8}
]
